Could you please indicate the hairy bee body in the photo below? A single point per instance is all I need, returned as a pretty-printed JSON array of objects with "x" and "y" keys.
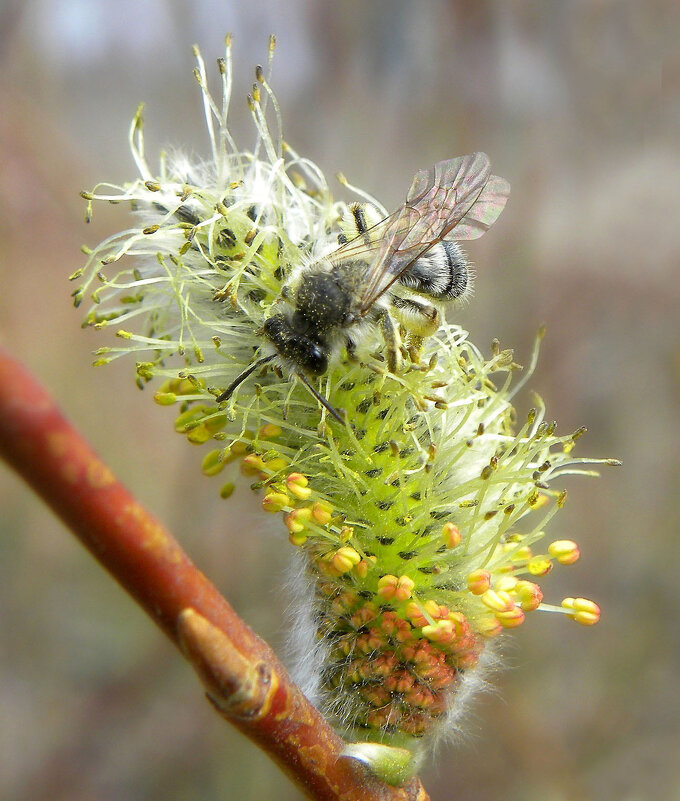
[
  {"x": 392, "y": 273},
  {"x": 318, "y": 312}
]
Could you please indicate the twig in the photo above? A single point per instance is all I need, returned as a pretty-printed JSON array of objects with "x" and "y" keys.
[{"x": 241, "y": 674}]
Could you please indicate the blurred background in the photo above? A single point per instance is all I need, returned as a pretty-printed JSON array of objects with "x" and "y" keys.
[{"x": 578, "y": 107}]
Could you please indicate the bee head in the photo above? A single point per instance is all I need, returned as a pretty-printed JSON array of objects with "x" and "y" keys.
[{"x": 291, "y": 343}]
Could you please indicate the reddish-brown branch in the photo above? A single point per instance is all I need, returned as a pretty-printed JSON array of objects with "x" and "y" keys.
[{"x": 241, "y": 674}]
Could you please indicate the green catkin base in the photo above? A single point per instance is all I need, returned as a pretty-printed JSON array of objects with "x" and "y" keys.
[{"x": 417, "y": 520}]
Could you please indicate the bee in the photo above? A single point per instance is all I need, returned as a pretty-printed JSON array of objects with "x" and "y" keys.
[{"x": 387, "y": 273}]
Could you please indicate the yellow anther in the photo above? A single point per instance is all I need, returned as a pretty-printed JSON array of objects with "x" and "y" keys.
[
  {"x": 498, "y": 601},
  {"x": 392, "y": 587},
  {"x": 227, "y": 490},
  {"x": 362, "y": 569},
  {"x": 506, "y": 584},
  {"x": 582, "y": 610},
  {"x": 565, "y": 552},
  {"x": 518, "y": 554},
  {"x": 252, "y": 465},
  {"x": 276, "y": 464},
  {"x": 238, "y": 448},
  {"x": 165, "y": 398},
  {"x": 441, "y": 631},
  {"x": 539, "y": 566},
  {"x": 212, "y": 463},
  {"x": 297, "y": 539},
  {"x": 434, "y": 609},
  {"x": 387, "y": 586},
  {"x": 529, "y": 595},
  {"x": 451, "y": 534},
  {"x": 489, "y": 626},
  {"x": 344, "y": 559},
  {"x": 322, "y": 513},
  {"x": 541, "y": 501},
  {"x": 346, "y": 534},
  {"x": 415, "y": 614},
  {"x": 297, "y": 519},
  {"x": 268, "y": 431},
  {"x": 404, "y": 589},
  {"x": 198, "y": 435},
  {"x": 511, "y": 618},
  {"x": 216, "y": 423},
  {"x": 479, "y": 581},
  {"x": 275, "y": 501},
  {"x": 297, "y": 486}
]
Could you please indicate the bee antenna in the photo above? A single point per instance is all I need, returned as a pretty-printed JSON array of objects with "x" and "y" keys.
[
  {"x": 228, "y": 392},
  {"x": 321, "y": 398}
]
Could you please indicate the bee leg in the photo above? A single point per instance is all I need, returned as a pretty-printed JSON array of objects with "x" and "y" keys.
[
  {"x": 420, "y": 319},
  {"x": 351, "y": 346},
  {"x": 392, "y": 340},
  {"x": 414, "y": 345}
]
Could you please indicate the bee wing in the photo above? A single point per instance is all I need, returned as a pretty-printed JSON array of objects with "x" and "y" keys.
[
  {"x": 455, "y": 199},
  {"x": 484, "y": 211}
]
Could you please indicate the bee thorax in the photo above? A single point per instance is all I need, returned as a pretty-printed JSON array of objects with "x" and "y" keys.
[{"x": 322, "y": 302}]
